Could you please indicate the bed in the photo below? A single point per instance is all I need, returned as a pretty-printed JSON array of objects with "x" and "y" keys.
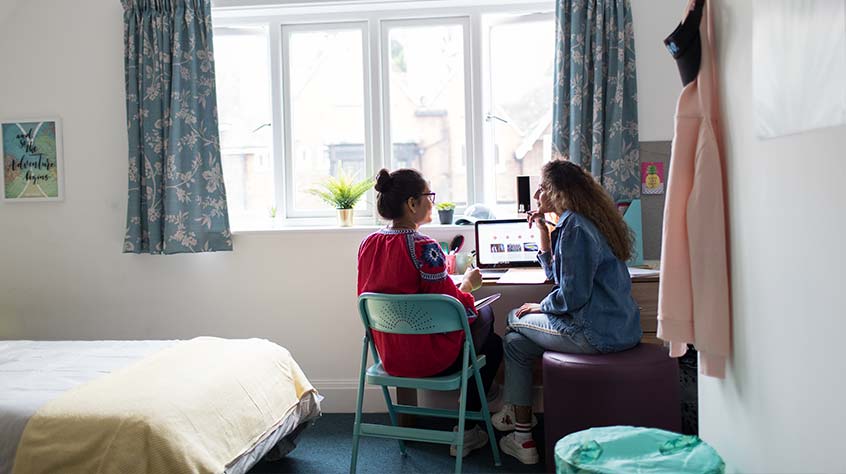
[{"x": 205, "y": 405}]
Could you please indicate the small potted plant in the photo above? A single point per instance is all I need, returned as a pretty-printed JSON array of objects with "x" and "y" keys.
[
  {"x": 342, "y": 193},
  {"x": 272, "y": 213},
  {"x": 445, "y": 211}
]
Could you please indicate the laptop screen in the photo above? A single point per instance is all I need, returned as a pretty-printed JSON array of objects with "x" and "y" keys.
[{"x": 506, "y": 243}]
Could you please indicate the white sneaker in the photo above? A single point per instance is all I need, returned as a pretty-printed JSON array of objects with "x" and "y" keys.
[
  {"x": 474, "y": 438},
  {"x": 505, "y": 419},
  {"x": 526, "y": 452}
]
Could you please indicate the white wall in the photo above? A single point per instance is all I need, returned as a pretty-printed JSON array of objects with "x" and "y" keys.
[
  {"x": 780, "y": 409},
  {"x": 62, "y": 274},
  {"x": 658, "y": 81},
  {"x": 6, "y": 7}
]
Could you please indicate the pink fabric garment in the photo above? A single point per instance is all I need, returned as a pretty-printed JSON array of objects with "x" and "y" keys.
[{"x": 693, "y": 299}]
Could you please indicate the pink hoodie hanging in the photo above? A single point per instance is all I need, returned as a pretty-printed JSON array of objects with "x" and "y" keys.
[{"x": 693, "y": 301}]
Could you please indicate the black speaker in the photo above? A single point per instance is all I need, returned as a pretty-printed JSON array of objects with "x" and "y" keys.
[{"x": 526, "y": 187}]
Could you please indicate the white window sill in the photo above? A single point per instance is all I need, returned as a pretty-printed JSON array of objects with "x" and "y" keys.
[
  {"x": 264, "y": 225},
  {"x": 289, "y": 227}
]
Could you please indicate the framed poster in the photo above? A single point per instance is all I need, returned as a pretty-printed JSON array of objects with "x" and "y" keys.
[
  {"x": 798, "y": 65},
  {"x": 652, "y": 177},
  {"x": 32, "y": 160}
]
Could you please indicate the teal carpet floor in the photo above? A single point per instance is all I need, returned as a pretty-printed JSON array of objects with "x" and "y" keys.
[{"x": 325, "y": 448}]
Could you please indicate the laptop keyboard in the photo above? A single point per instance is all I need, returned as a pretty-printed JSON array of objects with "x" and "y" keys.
[{"x": 492, "y": 272}]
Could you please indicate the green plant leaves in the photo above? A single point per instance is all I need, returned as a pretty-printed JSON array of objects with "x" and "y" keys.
[{"x": 341, "y": 192}]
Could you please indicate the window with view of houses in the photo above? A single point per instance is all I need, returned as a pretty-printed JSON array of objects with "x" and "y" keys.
[{"x": 461, "y": 95}]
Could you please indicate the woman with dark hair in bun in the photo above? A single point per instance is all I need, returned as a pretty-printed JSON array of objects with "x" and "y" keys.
[{"x": 400, "y": 260}]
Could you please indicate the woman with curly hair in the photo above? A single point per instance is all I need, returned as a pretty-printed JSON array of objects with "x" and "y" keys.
[
  {"x": 400, "y": 260},
  {"x": 590, "y": 310}
]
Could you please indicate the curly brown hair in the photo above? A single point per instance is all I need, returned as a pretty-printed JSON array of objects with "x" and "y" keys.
[{"x": 571, "y": 187}]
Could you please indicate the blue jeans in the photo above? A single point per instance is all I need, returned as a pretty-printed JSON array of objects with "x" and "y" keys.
[{"x": 526, "y": 340}]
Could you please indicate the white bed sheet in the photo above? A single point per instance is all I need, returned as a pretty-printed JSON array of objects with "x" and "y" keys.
[{"x": 34, "y": 372}]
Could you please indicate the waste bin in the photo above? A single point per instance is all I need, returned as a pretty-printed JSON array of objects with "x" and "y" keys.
[{"x": 630, "y": 449}]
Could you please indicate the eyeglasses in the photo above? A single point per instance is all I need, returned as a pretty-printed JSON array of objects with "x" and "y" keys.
[{"x": 431, "y": 196}]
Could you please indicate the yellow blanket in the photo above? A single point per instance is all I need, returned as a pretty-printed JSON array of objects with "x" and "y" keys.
[{"x": 192, "y": 408}]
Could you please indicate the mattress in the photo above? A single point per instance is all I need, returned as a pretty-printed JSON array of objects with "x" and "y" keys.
[{"x": 33, "y": 373}]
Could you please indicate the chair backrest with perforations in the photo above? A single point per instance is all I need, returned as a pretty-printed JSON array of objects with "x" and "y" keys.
[{"x": 412, "y": 314}]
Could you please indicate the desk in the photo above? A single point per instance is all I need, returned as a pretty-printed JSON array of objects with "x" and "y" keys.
[{"x": 644, "y": 291}]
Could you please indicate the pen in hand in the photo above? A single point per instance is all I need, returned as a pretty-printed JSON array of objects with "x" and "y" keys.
[{"x": 535, "y": 216}]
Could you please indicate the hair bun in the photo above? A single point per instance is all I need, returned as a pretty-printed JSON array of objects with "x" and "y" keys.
[{"x": 384, "y": 181}]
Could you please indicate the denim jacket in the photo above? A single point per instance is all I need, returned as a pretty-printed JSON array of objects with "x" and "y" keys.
[{"x": 593, "y": 288}]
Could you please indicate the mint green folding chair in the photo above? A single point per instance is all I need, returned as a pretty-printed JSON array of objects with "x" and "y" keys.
[{"x": 418, "y": 314}]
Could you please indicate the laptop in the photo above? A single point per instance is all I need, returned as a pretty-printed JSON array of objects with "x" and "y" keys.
[{"x": 505, "y": 243}]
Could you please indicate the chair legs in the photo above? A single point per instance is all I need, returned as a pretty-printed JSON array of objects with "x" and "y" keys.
[
  {"x": 358, "y": 406},
  {"x": 468, "y": 371},
  {"x": 487, "y": 415},
  {"x": 462, "y": 410},
  {"x": 393, "y": 415}
]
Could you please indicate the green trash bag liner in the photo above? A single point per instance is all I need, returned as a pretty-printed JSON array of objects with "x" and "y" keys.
[{"x": 630, "y": 449}]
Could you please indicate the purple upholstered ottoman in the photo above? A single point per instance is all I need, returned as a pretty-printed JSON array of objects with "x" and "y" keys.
[{"x": 637, "y": 387}]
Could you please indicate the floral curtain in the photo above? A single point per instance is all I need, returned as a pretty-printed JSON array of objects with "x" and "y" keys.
[
  {"x": 595, "y": 111},
  {"x": 177, "y": 201}
]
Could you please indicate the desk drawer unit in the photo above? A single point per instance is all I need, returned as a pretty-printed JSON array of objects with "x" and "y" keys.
[{"x": 645, "y": 293}]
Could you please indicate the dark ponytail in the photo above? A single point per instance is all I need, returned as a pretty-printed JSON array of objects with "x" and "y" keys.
[{"x": 394, "y": 189}]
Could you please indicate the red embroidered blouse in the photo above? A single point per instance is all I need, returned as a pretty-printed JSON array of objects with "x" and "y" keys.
[{"x": 402, "y": 261}]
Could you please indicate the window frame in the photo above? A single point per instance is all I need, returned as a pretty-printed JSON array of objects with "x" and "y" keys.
[
  {"x": 286, "y": 30},
  {"x": 374, "y": 16},
  {"x": 259, "y": 25},
  {"x": 385, "y": 27},
  {"x": 489, "y": 141}
]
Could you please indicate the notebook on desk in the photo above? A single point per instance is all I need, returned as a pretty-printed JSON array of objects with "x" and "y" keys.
[
  {"x": 511, "y": 276},
  {"x": 523, "y": 276},
  {"x": 534, "y": 276}
]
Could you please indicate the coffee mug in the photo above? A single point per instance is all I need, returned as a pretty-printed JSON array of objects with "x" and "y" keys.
[{"x": 462, "y": 261}]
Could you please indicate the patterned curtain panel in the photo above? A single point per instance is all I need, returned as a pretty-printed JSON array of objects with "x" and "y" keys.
[
  {"x": 177, "y": 202},
  {"x": 595, "y": 112}
]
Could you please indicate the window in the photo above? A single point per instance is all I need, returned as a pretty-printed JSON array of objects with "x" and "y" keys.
[
  {"x": 426, "y": 101},
  {"x": 463, "y": 94},
  {"x": 323, "y": 83},
  {"x": 244, "y": 112},
  {"x": 522, "y": 53}
]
